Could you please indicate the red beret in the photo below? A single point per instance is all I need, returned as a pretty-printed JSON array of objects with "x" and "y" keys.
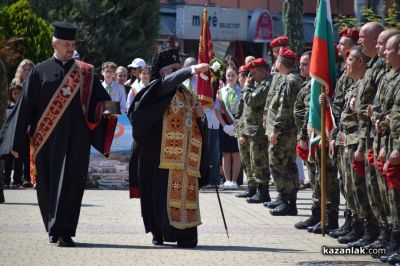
[
  {"x": 285, "y": 52},
  {"x": 279, "y": 41},
  {"x": 256, "y": 63},
  {"x": 349, "y": 33},
  {"x": 243, "y": 68}
]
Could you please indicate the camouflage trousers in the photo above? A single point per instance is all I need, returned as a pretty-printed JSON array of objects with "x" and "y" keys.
[
  {"x": 282, "y": 162},
  {"x": 373, "y": 190},
  {"x": 383, "y": 189},
  {"x": 311, "y": 170},
  {"x": 344, "y": 168},
  {"x": 394, "y": 199},
  {"x": 332, "y": 182},
  {"x": 258, "y": 145},
  {"x": 360, "y": 189},
  {"x": 244, "y": 150}
]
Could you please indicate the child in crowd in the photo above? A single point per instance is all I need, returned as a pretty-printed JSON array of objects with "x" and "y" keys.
[
  {"x": 115, "y": 90},
  {"x": 143, "y": 80},
  {"x": 226, "y": 106},
  {"x": 121, "y": 76},
  {"x": 10, "y": 162}
]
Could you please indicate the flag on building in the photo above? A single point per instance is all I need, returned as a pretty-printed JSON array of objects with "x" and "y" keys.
[
  {"x": 206, "y": 54},
  {"x": 322, "y": 67}
]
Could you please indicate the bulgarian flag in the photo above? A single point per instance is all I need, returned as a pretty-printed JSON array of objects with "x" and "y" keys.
[
  {"x": 322, "y": 68},
  {"x": 206, "y": 54}
]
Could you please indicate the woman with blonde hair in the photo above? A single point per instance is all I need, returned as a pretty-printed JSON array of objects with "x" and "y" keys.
[{"x": 22, "y": 72}]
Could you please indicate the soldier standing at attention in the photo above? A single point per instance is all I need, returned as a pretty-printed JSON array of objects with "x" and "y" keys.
[
  {"x": 254, "y": 94},
  {"x": 282, "y": 135},
  {"x": 348, "y": 39},
  {"x": 364, "y": 96},
  {"x": 301, "y": 109}
]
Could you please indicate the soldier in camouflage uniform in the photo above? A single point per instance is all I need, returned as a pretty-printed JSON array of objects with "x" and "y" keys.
[
  {"x": 275, "y": 45},
  {"x": 364, "y": 96},
  {"x": 244, "y": 146},
  {"x": 387, "y": 126},
  {"x": 301, "y": 109},
  {"x": 254, "y": 94},
  {"x": 381, "y": 208},
  {"x": 282, "y": 134},
  {"x": 348, "y": 39},
  {"x": 356, "y": 67}
]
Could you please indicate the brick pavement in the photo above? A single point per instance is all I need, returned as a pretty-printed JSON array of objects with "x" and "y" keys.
[{"x": 110, "y": 232}]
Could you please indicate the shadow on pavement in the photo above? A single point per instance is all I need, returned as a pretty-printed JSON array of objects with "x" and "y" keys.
[
  {"x": 337, "y": 263},
  {"x": 200, "y": 247},
  {"x": 35, "y": 204}
]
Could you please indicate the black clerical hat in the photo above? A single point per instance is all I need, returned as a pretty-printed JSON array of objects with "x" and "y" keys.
[
  {"x": 163, "y": 59},
  {"x": 64, "y": 31}
]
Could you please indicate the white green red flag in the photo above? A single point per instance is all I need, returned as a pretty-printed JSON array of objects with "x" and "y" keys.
[
  {"x": 322, "y": 67},
  {"x": 206, "y": 54}
]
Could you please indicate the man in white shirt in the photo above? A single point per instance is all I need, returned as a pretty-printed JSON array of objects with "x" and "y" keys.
[{"x": 115, "y": 90}]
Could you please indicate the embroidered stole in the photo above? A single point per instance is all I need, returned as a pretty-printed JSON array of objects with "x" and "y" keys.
[
  {"x": 79, "y": 78},
  {"x": 181, "y": 153},
  {"x": 221, "y": 97}
]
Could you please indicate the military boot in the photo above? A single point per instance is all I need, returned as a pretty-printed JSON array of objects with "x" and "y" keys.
[
  {"x": 261, "y": 196},
  {"x": 275, "y": 203},
  {"x": 345, "y": 228},
  {"x": 394, "y": 258},
  {"x": 383, "y": 238},
  {"x": 392, "y": 246},
  {"x": 288, "y": 207},
  {"x": 331, "y": 223},
  {"x": 312, "y": 220},
  {"x": 250, "y": 192},
  {"x": 371, "y": 233},
  {"x": 355, "y": 233},
  {"x": 2, "y": 200}
]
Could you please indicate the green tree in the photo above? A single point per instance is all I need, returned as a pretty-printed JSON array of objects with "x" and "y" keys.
[
  {"x": 109, "y": 30},
  {"x": 293, "y": 23},
  {"x": 19, "y": 20}
]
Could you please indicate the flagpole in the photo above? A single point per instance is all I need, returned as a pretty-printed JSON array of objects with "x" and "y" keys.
[
  {"x": 323, "y": 162},
  {"x": 323, "y": 167}
]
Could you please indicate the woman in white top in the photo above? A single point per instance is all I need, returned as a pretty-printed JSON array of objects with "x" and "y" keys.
[{"x": 226, "y": 106}]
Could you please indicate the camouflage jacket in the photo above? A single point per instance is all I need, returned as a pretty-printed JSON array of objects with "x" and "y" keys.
[
  {"x": 392, "y": 91},
  {"x": 376, "y": 68},
  {"x": 301, "y": 109},
  {"x": 251, "y": 108},
  {"x": 349, "y": 118},
  {"x": 395, "y": 120},
  {"x": 276, "y": 80},
  {"x": 337, "y": 103},
  {"x": 280, "y": 118}
]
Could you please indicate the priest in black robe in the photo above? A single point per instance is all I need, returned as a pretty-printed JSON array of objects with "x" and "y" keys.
[
  {"x": 62, "y": 104},
  {"x": 171, "y": 164}
]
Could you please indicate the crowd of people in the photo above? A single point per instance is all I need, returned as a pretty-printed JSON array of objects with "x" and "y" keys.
[{"x": 258, "y": 123}]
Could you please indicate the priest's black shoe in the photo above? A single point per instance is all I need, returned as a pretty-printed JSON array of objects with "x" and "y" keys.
[
  {"x": 187, "y": 243},
  {"x": 66, "y": 241},
  {"x": 53, "y": 239},
  {"x": 261, "y": 196},
  {"x": 250, "y": 192},
  {"x": 371, "y": 233},
  {"x": 394, "y": 258},
  {"x": 157, "y": 240},
  {"x": 312, "y": 220}
]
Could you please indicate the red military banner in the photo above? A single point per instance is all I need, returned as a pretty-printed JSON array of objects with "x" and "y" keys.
[{"x": 206, "y": 54}]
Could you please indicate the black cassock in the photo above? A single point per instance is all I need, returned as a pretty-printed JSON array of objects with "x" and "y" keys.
[
  {"x": 147, "y": 118},
  {"x": 62, "y": 163}
]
